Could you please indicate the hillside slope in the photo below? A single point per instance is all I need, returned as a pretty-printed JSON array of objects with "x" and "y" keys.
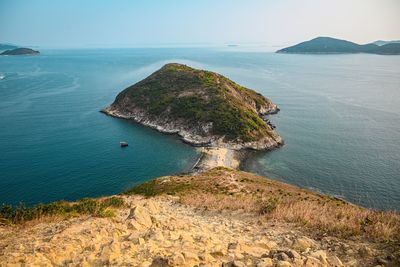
[
  {"x": 218, "y": 218},
  {"x": 203, "y": 107}
]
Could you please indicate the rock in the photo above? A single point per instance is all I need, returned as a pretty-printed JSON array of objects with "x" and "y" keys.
[
  {"x": 152, "y": 206},
  {"x": 218, "y": 251},
  {"x": 253, "y": 251},
  {"x": 232, "y": 246},
  {"x": 303, "y": 243},
  {"x": 334, "y": 261},
  {"x": 282, "y": 256},
  {"x": 321, "y": 256},
  {"x": 206, "y": 257},
  {"x": 190, "y": 256},
  {"x": 265, "y": 262},
  {"x": 313, "y": 262},
  {"x": 139, "y": 218},
  {"x": 293, "y": 254},
  {"x": 177, "y": 259},
  {"x": 268, "y": 244},
  {"x": 160, "y": 262},
  {"x": 233, "y": 264},
  {"x": 283, "y": 264}
]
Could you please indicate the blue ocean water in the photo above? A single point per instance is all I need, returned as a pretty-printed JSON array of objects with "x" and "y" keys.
[{"x": 340, "y": 118}]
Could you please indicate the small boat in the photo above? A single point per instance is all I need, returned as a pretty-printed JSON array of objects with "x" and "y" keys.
[
  {"x": 123, "y": 144},
  {"x": 2, "y": 77}
]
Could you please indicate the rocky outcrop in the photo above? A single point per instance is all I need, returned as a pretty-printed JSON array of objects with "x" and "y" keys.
[
  {"x": 215, "y": 218},
  {"x": 190, "y": 135},
  {"x": 161, "y": 232}
]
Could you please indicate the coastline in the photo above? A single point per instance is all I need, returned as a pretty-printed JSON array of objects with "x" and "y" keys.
[
  {"x": 268, "y": 143},
  {"x": 214, "y": 152}
]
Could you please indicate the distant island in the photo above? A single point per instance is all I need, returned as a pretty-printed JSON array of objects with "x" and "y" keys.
[
  {"x": 204, "y": 108},
  {"x": 19, "y": 51},
  {"x": 381, "y": 42},
  {"x": 328, "y": 45}
]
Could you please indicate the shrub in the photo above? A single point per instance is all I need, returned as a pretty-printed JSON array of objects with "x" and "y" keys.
[{"x": 86, "y": 206}]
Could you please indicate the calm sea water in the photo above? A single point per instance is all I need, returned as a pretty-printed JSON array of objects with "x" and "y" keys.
[{"x": 340, "y": 118}]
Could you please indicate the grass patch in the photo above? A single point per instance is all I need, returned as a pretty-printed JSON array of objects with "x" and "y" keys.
[
  {"x": 226, "y": 189},
  {"x": 86, "y": 206},
  {"x": 159, "y": 187}
]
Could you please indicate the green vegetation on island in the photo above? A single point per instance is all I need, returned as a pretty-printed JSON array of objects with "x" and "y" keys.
[
  {"x": 197, "y": 99},
  {"x": 19, "y": 51},
  {"x": 327, "y": 45}
]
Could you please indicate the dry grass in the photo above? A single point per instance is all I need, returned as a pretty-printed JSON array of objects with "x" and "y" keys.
[
  {"x": 220, "y": 202},
  {"x": 224, "y": 189},
  {"x": 343, "y": 221}
]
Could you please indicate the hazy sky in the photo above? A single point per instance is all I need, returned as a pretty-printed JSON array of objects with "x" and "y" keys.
[{"x": 122, "y": 23}]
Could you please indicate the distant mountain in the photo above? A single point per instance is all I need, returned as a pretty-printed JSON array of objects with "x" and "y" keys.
[
  {"x": 328, "y": 45},
  {"x": 380, "y": 42},
  {"x": 19, "y": 51},
  {"x": 7, "y": 46},
  {"x": 388, "y": 49}
]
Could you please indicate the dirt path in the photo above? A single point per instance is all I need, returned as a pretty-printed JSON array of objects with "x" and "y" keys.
[{"x": 217, "y": 157}]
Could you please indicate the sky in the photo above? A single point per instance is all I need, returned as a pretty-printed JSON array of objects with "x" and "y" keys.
[{"x": 133, "y": 23}]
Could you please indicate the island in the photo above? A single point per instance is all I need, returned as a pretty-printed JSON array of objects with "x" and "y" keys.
[
  {"x": 19, "y": 51},
  {"x": 328, "y": 45},
  {"x": 204, "y": 108}
]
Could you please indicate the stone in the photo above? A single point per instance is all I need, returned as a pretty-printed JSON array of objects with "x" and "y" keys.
[
  {"x": 141, "y": 216},
  {"x": 313, "y": 262},
  {"x": 177, "y": 259},
  {"x": 218, "y": 251},
  {"x": 265, "y": 262},
  {"x": 253, "y": 251},
  {"x": 232, "y": 246},
  {"x": 293, "y": 254},
  {"x": 233, "y": 264},
  {"x": 321, "y": 256},
  {"x": 190, "y": 256},
  {"x": 335, "y": 261},
  {"x": 281, "y": 256},
  {"x": 303, "y": 243},
  {"x": 283, "y": 264},
  {"x": 160, "y": 262}
]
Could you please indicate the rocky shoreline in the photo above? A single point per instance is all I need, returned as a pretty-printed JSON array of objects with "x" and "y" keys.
[{"x": 215, "y": 151}]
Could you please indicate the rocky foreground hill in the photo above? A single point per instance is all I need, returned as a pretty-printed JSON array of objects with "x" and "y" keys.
[
  {"x": 204, "y": 108},
  {"x": 220, "y": 217}
]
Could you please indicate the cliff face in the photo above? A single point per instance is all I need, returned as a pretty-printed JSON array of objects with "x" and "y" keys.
[{"x": 204, "y": 108}]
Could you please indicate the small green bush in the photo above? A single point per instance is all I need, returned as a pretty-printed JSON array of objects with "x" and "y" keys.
[{"x": 87, "y": 206}]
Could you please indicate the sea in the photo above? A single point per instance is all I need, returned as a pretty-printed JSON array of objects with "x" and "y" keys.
[{"x": 340, "y": 119}]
